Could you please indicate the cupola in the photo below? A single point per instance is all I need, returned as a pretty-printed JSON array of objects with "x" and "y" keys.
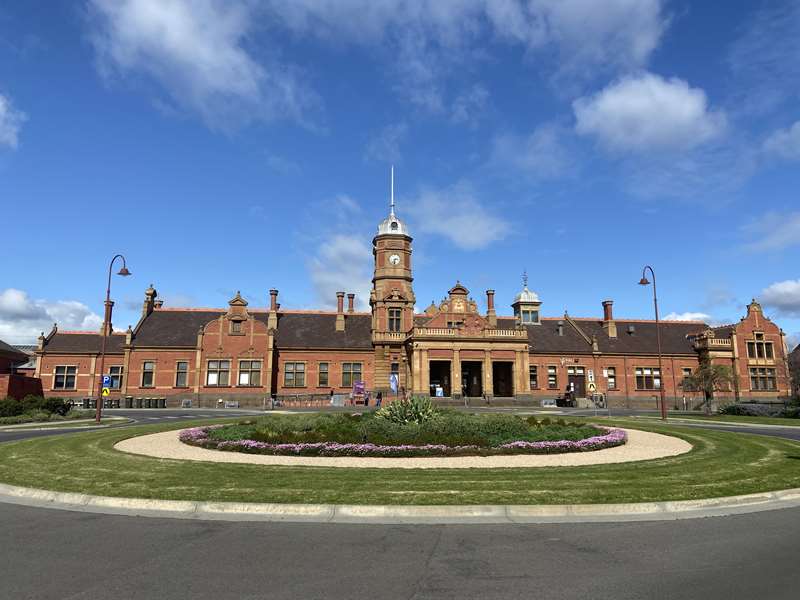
[
  {"x": 526, "y": 304},
  {"x": 391, "y": 225}
]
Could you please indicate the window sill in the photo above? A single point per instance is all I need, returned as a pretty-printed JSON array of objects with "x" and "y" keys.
[
  {"x": 250, "y": 386},
  {"x": 180, "y": 387}
]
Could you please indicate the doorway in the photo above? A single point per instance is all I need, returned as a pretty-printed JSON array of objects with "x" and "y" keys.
[
  {"x": 503, "y": 379},
  {"x": 440, "y": 378},
  {"x": 576, "y": 381},
  {"x": 472, "y": 378}
]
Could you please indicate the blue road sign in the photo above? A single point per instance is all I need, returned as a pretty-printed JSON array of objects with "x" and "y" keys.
[{"x": 106, "y": 380}]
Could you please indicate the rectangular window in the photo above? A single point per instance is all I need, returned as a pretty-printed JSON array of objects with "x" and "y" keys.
[
  {"x": 182, "y": 374},
  {"x": 148, "y": 373},
  {"x": 323, "y": 374},
  {"x": 533, "y": 375},
  {"x": 115, "y": 373},
  {"x": 236, "y": 327},
  {"x": 294, "y": 374},
  {"x": 648, "y": 378},
  {"x": 751, "y": 349},
  {"x": 395, "y": 318},
  {"x": 768, "y": 352},
  {"x": 530, "y": 316},
  {"x": 218, "y": 373},
  {"x": 65, "y": 378},
  {"x": 762, "y": 379},
  {"x": 250, "y": 373},
  {"x": 351, "y": 372},
  {"x": 759, "y": 337},
  {"x": 612, "y": 378},
  {"x": 552, "y": 378}
]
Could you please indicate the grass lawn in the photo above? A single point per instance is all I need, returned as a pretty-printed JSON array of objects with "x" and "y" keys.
[
  {"x": 736, "y": 419},
  {"x": 721, "y": 464},
  {"x": 65, "y": 424}
]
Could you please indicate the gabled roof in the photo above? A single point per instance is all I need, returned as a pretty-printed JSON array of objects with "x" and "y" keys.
[
  {"x": 297, "y": 331},
  {"x": 544, "y": 338},
  {"x": 79, "y": 343},
  {"x": 173, "y": 328}
]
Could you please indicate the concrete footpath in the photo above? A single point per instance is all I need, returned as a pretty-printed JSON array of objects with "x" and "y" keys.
[{"x": 391, "y": 514}]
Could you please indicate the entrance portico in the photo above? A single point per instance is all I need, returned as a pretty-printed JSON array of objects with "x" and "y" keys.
[{"x": 454, "y": 348}]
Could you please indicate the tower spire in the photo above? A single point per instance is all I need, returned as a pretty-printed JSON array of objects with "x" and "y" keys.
[{"x": 391, "y": 203}]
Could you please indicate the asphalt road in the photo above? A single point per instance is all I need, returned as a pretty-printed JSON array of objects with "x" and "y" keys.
[{"x": 59, "y": 555}]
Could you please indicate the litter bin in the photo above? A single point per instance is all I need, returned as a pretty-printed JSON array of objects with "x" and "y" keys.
[
  {"x": 115, "y": 403},
  {"x": 86, "y": 402},
  {"x": 147, "y": 402},
  {"x": 128, "y": 401},
  {"x": 162, "y": 403},
  {"x": 139, "y": 402}
]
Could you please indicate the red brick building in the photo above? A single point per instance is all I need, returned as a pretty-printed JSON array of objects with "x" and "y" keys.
[
  {"x": 14, "y": 383},
  {"x": 452, "y": 349}
]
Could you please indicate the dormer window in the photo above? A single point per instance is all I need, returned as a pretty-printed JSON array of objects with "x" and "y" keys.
[
  {"x": 530, "y": 316},
  {"x": 236, "y": 327}
]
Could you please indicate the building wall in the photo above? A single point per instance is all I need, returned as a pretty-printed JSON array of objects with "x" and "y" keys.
[
  {"x": 625, "y": 394},
  {"x": 19, "y": 386}
]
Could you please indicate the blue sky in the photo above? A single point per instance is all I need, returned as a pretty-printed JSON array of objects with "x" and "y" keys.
[{"x": 246, "y": 145}]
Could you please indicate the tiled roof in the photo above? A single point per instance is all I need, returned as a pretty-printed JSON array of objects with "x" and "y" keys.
[
  {"x": 319, "y": 331},
  {"x": 544, "y": 338},
  {"x": 84, "y": 342},
  {"x": 723, "y": 331},
  {"x": 173, "y": 328},
  {"x": 11, "y": 352}
]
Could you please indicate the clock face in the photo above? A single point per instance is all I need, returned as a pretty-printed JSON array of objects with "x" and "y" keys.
[{"x": 394, "y": 259}]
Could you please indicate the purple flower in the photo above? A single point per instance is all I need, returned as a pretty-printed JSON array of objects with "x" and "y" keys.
[{"x": 198, "y": 436}]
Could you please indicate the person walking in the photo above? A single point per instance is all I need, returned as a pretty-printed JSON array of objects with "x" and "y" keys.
[{"x": 378, "y": 399}]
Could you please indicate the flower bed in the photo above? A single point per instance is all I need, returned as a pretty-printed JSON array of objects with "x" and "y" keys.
[{"x": 201, "y": 436}]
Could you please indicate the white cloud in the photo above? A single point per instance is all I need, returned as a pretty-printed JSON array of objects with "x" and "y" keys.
[
  {"x": 457, "y": 214},
  {"x": 197, "y": 52},
  {"x": 783, "y": 296},
  {"x": 648, "y": 112},
  {"x": 430, "y": 42},
  {"x": 282, "y": 165},
  {"x": 22, "y": 318},
  {"x": 385, "y": 146},
  {"x": 688, "y": 316},
  {"x": 342, "y": 264},
  {"x": 11, "y": 121},
  {"x": 785, "y": 143},
  {"x": 542, "y": 154},
  {"x": 773, "y": 232}
]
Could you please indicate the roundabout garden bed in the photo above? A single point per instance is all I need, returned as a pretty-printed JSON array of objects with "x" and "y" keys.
[{"x": 406, "y": 429}]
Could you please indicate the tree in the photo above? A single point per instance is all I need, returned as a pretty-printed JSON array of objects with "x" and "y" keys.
[{"x": 709, "y": 378}]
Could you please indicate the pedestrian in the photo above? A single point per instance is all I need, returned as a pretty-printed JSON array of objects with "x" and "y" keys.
[
  {"x": 331, "y": 397},
  {"x": 378, "y": 399},
  {"x": 366, "y": 399}
]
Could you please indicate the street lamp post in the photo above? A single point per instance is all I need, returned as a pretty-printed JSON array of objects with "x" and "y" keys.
[
  {"x": 106, "y": 327},
  {"x": 644, "y": 281}
]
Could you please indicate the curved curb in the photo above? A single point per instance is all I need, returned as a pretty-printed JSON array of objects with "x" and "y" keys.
[{"x": 391, "y": 514}]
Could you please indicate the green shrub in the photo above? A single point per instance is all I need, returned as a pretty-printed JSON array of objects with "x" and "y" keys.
[
  {"x": 10, "y": 407},
  {"x": 417, "y": 409}
]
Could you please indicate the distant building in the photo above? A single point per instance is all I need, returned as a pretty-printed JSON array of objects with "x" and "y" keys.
[
  {"x": 450, "y": 350},
  {"x": 13, "y": 382}
]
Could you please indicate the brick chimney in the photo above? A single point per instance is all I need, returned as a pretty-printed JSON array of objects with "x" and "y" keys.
[
  {"x": 339, "y": 311},
  {"x": 272, "y": 319},
  {"x": 491, "y": 315},
  {"x": 150, "y": 295},
  {"x": 608, "y": 318},
  {"x": 350, "y": 301}
]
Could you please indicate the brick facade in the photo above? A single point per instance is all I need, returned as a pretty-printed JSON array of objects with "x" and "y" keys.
[{"x": 250, "y": 354}]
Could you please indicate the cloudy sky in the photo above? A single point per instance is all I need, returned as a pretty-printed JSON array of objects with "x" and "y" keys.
[{"x": 242, "y": 145}]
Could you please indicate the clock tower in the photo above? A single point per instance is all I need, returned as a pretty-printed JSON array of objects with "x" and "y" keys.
[{"x": 392, "y": 300}]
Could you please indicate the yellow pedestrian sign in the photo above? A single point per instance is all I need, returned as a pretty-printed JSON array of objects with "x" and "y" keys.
[
  {"x": 592, "y": 387},
  {"x": 106, "y": 392}
]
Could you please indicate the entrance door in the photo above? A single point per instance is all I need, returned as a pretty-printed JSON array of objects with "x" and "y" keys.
[
  {"x": 576, "y": 377},
  {"x": 472, "y": 378},
  {"x": 503, "y": 379},
  {"x": 440, "y": 378}
]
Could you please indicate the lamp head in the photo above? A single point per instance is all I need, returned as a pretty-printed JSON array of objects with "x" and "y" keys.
[
  {"x": 124, "y": 272},
  {"x": 644, "y": 281}
]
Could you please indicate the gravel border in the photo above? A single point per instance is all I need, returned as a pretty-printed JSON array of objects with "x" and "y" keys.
[{"x": 641, "y": 445}]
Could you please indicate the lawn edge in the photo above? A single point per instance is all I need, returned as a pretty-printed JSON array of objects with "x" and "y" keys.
[{"x": 396, "y": 514}]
